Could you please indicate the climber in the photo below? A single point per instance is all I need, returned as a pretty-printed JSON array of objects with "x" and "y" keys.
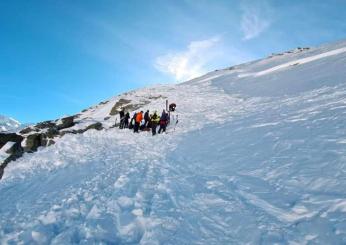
[
  {"x": 139, "y": 118},
  {"x": 172, "y": 107},
  {"x": 132, "y": 122},
  {"x": 163, "y": 121},
  {"x": 154, "y": 120},
  {"x": 121, "y": 115},
  {"x": 126, "y": 120},
  {"x": 146, "y": 118}
]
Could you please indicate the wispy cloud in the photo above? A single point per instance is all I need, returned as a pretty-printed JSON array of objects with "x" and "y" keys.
[
  {"x": 255, "y": 19},
  {"x": 190, "y": 63}
]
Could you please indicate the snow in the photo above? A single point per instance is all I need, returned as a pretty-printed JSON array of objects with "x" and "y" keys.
[
  {"x": 3, "y": 151},
  {"x": 297, "y": 62},
  {"x": 253, "y": 160},
  {"x": 8, "y": 124}
]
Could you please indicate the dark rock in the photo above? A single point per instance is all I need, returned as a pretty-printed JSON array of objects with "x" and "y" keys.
[
  {"x": 46, "y": 124},
  {"x": 66, "y": 122},
  {"x": 157, "y": 97},
  {"x": 43, "y": 140},
  {"x": 15, "y": 152},
  {"x": 103, "y": 102},
  {"x": 6, "y": 137},
  {"x": 117, "y": 107},
  {"x": 33, "y": 141},
  {"x": 50, "y": 142},
  {"x": 15, "y": 149},
  {"x": 97, "y": 126},
  {"x": 28, "y": 130},
  {"x": 107, "y": 118},
  {"x": 48, "y": 136},
  {"x": 52, "y": 132}
]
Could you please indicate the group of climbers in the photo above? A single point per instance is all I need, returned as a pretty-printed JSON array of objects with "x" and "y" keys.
[{"x": 144, "y": 121}]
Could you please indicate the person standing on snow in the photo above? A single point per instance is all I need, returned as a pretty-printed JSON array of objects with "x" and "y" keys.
[
  {"x": 132, "y": 122},
  {"x": 154, "y": 120},
  {"x": 139, "y": 118},
  {"x": 146, "y": 118},
  {"x": 121, "y": 115},
  {"x": 126, "y": 120},
  {"x": 163, "y": 121}
]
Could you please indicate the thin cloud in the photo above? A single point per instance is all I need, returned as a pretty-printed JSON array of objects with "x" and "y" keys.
[
  {"x": 192, "y": 62},
  {"x": 255, "y": 19}
]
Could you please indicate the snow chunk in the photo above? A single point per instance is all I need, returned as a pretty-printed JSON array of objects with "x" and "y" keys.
[
  {"x": 137, "y": 212},
  {"x": 125, "y": 202},
  {"x": 38, "y": 237},
  {"x": 94, "y": 213},
  {"x": 49, "y": 218}
]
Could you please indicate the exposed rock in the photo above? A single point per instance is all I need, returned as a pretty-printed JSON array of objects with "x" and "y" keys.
[
  {"x": 107, "y": 118},
  {"x": 46, "y": 124},
  {"x": 97, "y": 126},
  {"x": 50, "y": 142},
  {"x": 15, "y": 151},
  {"x": 52, "y": 132},
  {"x": 43, "y": 140},
  {"x": 66, "y": 122},
  {"x": 156, "y": 97},
  {"x": 117, "y": 107},
  {"x": 2, "y": 171},
  {"x": 6, "y": 137},
  {"x": 48, "y": 136},
  {"x": 62, "y": 133},
  {"x": 28, "y": 130},
  {"x": 103, "y": 102},
  {"x": 32, "y": 142}
]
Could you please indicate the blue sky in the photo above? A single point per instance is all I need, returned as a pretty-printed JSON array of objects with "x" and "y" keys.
[{"x": 59, "y": 57}]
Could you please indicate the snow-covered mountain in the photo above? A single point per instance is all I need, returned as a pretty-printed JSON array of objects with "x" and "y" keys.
[
  {"x": 8, "y": 124},
  {"x": 258, "y": 157}
]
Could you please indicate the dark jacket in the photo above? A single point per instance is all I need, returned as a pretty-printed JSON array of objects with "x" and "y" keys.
[
  {"x": 121, "y": 114},
  {"x": 146, "y": 116},
  {"x": 164, "y": 116}
]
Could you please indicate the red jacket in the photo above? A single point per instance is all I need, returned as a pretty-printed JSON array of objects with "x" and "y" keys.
[{"x": 139, "y": 117}]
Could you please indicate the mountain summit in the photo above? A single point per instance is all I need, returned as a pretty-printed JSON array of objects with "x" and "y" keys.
[{"x": 258, "y": 157}]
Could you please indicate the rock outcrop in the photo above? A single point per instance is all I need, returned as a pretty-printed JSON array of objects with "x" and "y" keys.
[
  {"x": 66, "y": 122},
  {"x": 13, "y": 149},
  {"x": 118, "y": 106},
  {"x": 6, "y": 137}
]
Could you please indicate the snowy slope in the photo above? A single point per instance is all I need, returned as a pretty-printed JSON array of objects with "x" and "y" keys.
[
  {"x": 258, "y": 157},
  {"x": 8, "y": 124}
]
